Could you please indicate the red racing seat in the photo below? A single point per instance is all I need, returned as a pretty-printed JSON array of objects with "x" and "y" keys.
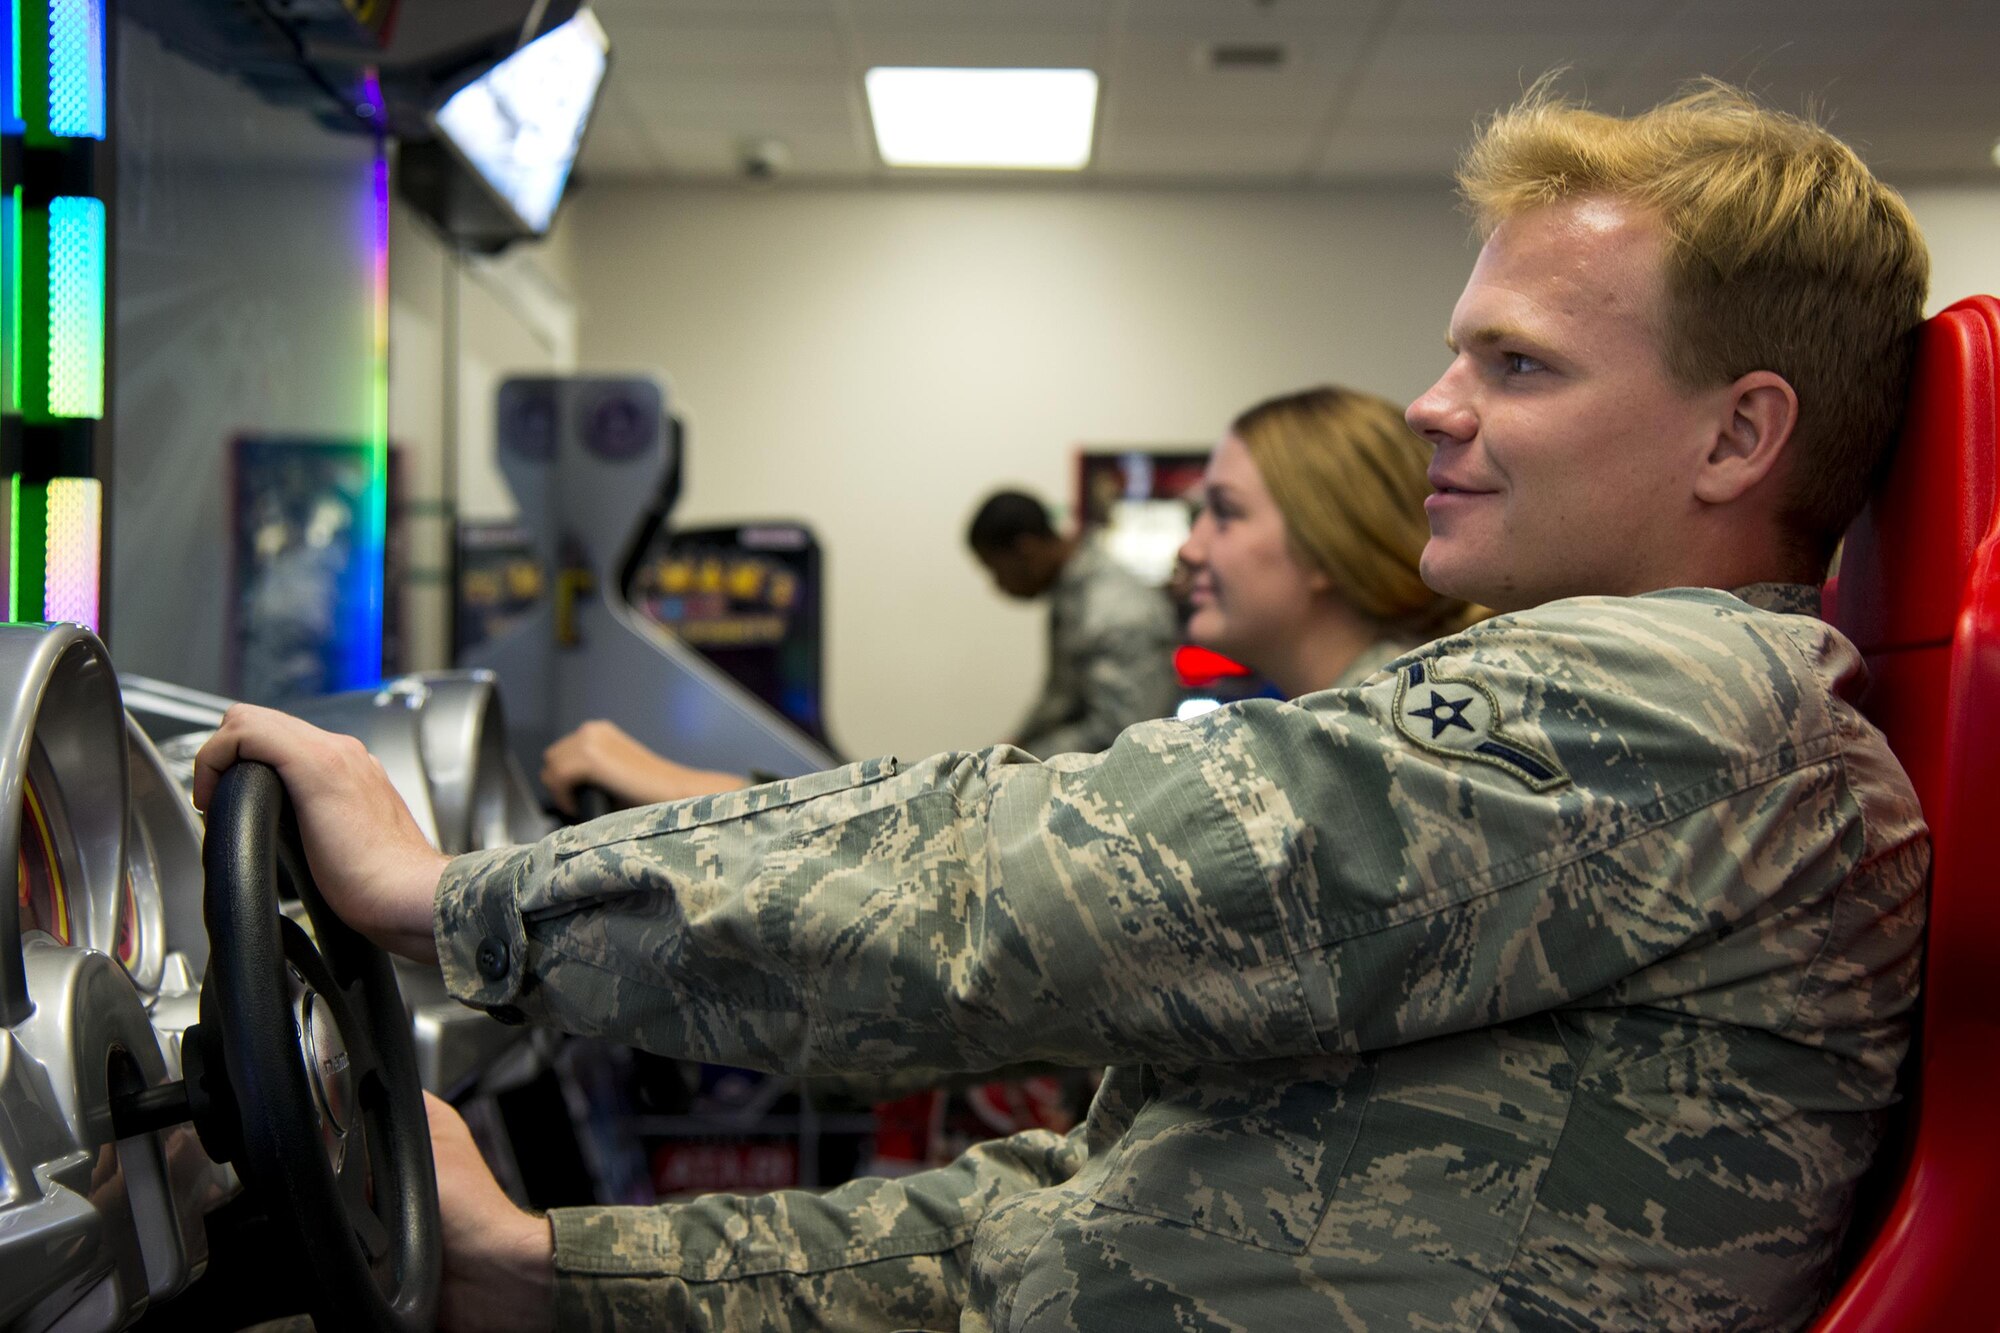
[{"x": 1919, "y": 593}]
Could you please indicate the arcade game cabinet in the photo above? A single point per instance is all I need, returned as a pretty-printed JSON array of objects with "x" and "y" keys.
[{"x": 594, "y": 465}]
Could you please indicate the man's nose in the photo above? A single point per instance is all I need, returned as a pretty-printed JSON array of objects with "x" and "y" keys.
[{"x": 1443, "y": 414}]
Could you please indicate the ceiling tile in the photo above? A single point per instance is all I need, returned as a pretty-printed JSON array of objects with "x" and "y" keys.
[
  {"x": 1455, "y": 76},
  {"x": 1274, "y": 152},
  {"x": 615, "y": 145},
  {"x": 745, "y": 104},
  {"x": 1363, "y": 151},
  {"x": 727, "y": 10},
  {"x": 660, "y": 46},
  {"x": 1154, "y": 77},
  {"x": 1249, "y": 21},
  {"x": 952, "y": 45},
  {"x": 1023, "y": 14},
  {"x": 821, "y": 155},
  {"x": 1911, "y": 81}
]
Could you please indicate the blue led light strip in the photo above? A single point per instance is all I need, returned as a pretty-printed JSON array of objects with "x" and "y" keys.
[
  {"x": 10, "y": 68},
  {"x": 76, "y": 69},
  {"x": 76, "y": 307}
]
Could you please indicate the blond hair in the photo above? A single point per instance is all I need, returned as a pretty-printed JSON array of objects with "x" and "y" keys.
[
  {"x": 1784, "y": 253},
  {"x": 1348, "y": 477}
]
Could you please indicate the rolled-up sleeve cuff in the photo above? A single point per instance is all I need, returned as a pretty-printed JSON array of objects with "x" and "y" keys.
[
  {"x": 482, "y": 945},
  {"x": 613, "y": 1271}
]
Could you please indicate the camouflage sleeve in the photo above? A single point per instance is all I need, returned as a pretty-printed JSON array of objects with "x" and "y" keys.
[
  {"x": 1509, "y": 820},
  {"x": 1126, "y": 677},
  {"x": 871, "y": 1254}
]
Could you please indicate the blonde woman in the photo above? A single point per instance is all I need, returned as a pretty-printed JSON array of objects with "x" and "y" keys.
[{"x": 1303, "y": 562}]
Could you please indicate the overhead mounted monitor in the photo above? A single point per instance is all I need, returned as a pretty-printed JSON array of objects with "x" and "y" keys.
[{"x": 518, "y": 126}]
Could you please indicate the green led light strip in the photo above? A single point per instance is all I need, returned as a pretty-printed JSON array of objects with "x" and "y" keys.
[
  {"x": 28, "y": 571},
  {"x": 10, "y": 300}
]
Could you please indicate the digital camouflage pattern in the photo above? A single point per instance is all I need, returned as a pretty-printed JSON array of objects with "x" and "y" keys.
[
  {"x": 1401, "y": 1037},
  {"x": 1111, "y": 658}
]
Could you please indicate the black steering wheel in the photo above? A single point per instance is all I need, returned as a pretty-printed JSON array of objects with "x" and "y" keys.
[{"x": 303, "y": 1074}]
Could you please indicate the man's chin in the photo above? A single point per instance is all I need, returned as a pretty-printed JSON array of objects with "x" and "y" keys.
[
  {"x": 1470, "y": 578},
  {"x": 1448, "y": 572}
]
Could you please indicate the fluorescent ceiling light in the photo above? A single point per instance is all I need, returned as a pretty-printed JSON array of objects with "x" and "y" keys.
[{"x": 1037, "y": 118}]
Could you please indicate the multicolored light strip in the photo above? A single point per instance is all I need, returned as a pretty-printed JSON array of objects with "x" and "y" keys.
[
  {"x": 77, "y": 244},
  {"x": 54, "y": 269},
  {"x": 77, "y": 98},
  {"x": 359, "y": 662},
  {"x": 76, "y": 530}
]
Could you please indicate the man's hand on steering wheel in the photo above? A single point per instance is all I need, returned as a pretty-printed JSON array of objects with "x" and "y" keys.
[{"x": 371, "y": 861}]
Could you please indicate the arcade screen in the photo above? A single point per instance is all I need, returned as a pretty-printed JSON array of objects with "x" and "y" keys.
[
  {"x": 748, "y": 597},
  {"x": 519, "y": 125},
  {"x": 1141, "y": 503},
  {"x": 499, "y": 582}
]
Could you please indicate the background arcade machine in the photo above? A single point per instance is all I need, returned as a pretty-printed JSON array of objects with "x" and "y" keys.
[
  {"x": 749, "y": 597},
  {"x": 594, "y": 465}
]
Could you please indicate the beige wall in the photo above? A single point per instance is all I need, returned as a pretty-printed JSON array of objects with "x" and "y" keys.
[
  {"x": 874, "y": 361},
  {"x": 1963, "y": 228}
]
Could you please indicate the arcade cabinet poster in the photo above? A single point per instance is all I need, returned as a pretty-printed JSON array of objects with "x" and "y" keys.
[{"x": 305, "y": 578}]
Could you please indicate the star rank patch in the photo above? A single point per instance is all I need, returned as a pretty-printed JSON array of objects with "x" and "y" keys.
[{"x": 1453, "y": 716}]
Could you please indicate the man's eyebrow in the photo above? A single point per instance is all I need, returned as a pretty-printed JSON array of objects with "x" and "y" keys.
[{"x": 1487, "y": 335}]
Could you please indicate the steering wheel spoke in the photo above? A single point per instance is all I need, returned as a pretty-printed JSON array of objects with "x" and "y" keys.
[
  {"x": 355, "y": 1193},
  {"x": 363, "y": 1059}
]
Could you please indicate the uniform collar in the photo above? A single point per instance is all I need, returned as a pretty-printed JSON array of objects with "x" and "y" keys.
[{"x": 1791, "y": 599}]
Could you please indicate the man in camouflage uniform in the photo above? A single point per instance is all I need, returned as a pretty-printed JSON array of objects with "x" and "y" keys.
[
  {"x": 1111, "y": 638},
  {"x": 1554, "y": 976}
]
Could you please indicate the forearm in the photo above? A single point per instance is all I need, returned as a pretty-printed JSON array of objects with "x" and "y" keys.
[
  {"x": 970, "y": 912},
  {"x": 871, "y": 1254}
]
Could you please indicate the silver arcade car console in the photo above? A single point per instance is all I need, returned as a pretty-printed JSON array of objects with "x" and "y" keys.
[
  {"x": 96, "y": 990},
  {"x": 442, "y": 738}
]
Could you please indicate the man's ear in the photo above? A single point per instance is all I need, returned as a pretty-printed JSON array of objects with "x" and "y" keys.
[{"x": 1758, "y": 414}]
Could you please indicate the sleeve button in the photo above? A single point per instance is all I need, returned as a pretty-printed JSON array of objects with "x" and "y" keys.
[{"x": 491, "y": 959}]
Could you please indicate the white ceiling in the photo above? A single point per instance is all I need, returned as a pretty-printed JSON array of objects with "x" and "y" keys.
[{"x": 1370, "y": 90}]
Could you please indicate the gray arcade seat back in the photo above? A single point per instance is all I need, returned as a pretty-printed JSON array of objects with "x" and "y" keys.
[{"x": 587, "y": 459}]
